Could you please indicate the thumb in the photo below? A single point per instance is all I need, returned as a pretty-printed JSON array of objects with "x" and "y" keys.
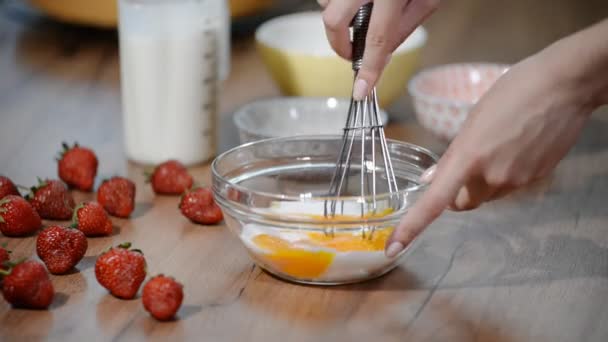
[{"x": 441, "y": 193}]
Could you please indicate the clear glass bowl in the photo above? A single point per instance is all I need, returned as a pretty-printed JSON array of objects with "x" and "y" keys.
[
  {"x": 273, "y": 194},
  {"x": 285, "y": 116}
]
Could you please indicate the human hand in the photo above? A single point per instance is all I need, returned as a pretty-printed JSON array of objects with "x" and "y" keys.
[
  {"x": 516, "y": 134},
  {"x": 390, "y": 24}
]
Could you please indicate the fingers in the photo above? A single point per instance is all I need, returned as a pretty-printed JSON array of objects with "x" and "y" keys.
[
  {"x": 500, "y": 193},
  {"x": 323, "y": 3},
  {"x": 383, "y": 38},
  {"x": 448, "y": 180},
  {"x": 415, "y": 13},
  {"x": 472, "y": 195},
  {"x": 337, "y": 17},
  {"x": 380, "y": 39},
  {"x": 428, "y": 175}
]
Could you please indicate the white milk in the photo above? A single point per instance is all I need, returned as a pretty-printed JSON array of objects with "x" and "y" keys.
[{"x": 170, "y": 69}]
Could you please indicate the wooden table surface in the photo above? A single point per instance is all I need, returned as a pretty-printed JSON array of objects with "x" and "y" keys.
[{"x": 531, "y": 267}]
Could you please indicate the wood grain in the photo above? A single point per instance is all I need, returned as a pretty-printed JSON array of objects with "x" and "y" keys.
[{"x": 531, "y": 267}]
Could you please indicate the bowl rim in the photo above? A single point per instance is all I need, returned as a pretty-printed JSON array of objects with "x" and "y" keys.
[
  {"x": 415, "y": 92},
  {"x": 241, "y": 112},
  {"x": 298, "y": 221},
  {"x": 419, "y": 36}
]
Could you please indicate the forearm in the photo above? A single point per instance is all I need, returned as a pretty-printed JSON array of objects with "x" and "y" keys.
[{"x": 581, "y": 60}]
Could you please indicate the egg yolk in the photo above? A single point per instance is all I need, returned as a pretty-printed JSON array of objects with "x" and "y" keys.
[
  {"x": 299, "y": 262},
  {"x": 349, "y": 242},
  {"x": 291, "y": 260}
]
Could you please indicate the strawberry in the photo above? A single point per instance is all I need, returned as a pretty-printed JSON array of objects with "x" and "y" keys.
[
  {"x": 91, "y": 219},
  {"x": 7, "y": 187},
  {"x": 199, "y": 206},
  {"x": 117, "y": 196},
  {"x": 52, "y": 200},
  {"x": 61, "y": 248},
  {"x": 27, "y": 285},
  {"x": 162, "y": 296},
  {"x": 77, "y": 167},
  {"x": 170, "y": 178},
  {"x": 121, "y": 270},
  {"x": 5, "y": 256},
  {"x": 18, "y": 217}
]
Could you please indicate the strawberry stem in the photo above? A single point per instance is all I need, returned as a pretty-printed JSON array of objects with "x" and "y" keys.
[
  {"x": 4, "y": 201},
  {"x": 125, "y": 245},
  {"x": 75, "y": 215},
  {"x": 33, "y": 189},
  {"x": 148, "y": 175},
  {"x": 22, "y": 187},
  {"x": 10, "y": 265},
  {"x": 4, "y": 246},
  {"x": 64, "y": 149}
]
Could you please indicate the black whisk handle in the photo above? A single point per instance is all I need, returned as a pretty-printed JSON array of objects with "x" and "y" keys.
[{"x": 360, "y": 24}]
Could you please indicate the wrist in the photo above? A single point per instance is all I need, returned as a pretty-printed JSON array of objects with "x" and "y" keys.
[
  {"x": 563, "y": 85},
  {"x": 578, "y": 64}
]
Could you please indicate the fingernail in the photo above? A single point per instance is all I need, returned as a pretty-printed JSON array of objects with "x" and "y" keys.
[
  {"x": 394, "y": 249},
  {"x": 427, "y": 176},
  {"x": 360, "y": 90}
]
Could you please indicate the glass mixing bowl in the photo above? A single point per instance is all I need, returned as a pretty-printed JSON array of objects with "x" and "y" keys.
[{"x": 273, "y": 194}]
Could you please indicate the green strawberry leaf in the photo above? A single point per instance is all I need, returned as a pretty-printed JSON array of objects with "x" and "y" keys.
[
  {"x": 33, "y": 189},
  {"x": 148, "y": 175},
  {"x": 75, "y": 215},
  {"x": 9, "y": 265},
  {"x": 125, "y": 245},
  {"x": 3, "y": 202}
]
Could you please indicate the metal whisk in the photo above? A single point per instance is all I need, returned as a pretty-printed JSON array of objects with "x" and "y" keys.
[{"x": 363, "y": 140}]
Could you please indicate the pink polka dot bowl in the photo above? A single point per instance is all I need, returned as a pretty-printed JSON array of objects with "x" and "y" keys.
[{"x": 444, "y": 95}]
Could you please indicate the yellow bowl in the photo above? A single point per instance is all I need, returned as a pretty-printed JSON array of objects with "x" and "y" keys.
[
  {"x": 296, "y": 52},
  {"x": 104, "y": 13}
]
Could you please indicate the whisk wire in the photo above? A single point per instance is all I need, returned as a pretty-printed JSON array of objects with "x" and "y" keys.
[{"x": 363, "y": 123}]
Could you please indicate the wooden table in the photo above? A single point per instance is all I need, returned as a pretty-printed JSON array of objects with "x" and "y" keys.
[{"x": 531, "y": 267}]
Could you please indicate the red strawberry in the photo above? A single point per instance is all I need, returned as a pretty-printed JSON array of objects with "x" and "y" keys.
[
  {"x": 61, "y": 248},
  {"x": 77, "y": 167},
  {"x": 5, "y": 256},
  {"x": 18, "y": 217},
  {"x": 121, "y": 270},
  {"x": 117, "y": 196},
  {"x": 170, "y": 178},
  {"x": 162, "y": 296},
  {"x": 7, "y": 187},
  {"x": 52, "y": 200},
  {"x": 27, "y": 285},
  {"x": 199, "y": 206},
  {"x": 92, "y": 220}
]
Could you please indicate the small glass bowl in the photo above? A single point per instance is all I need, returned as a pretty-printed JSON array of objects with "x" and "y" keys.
[
  {"x": 273, "y": 194},
  {"x": 292, "y": 116}
]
